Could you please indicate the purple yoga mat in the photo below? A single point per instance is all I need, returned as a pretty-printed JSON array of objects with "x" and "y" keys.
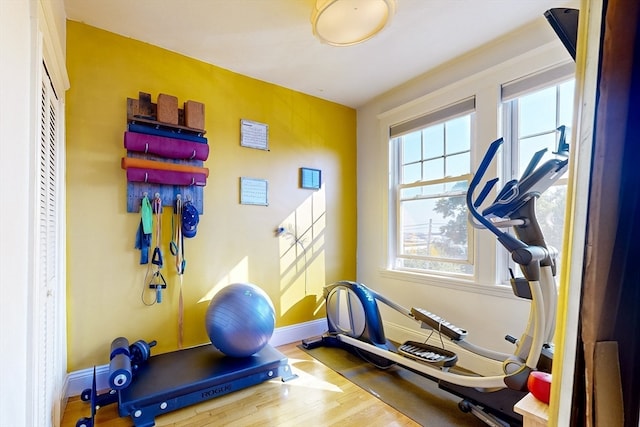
[
  {"x": 156, "y": 176},
  {"x": 165, "y": 147}
]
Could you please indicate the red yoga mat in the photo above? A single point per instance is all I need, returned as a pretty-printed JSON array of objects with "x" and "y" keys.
[
  {"x": 169, "y": 148},
  {"x": 155, "y": 176},
  {"x": 134, "y": 162}
]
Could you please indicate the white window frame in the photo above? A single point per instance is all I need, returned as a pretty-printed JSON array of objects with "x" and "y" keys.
[
  {"x": 511, "y": 92},
  {"x": 437, "y": 114},
  {"x": 486, "y": 87},
  {"x": 461, "y": 108}
]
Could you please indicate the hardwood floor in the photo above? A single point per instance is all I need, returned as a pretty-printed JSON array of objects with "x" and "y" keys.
[{"x": 318, "y": 397}]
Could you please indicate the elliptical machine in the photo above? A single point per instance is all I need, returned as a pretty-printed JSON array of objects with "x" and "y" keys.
[{"x": 354, "y": 319}]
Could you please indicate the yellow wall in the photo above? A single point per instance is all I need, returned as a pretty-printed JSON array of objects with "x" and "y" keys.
[{"x": 235, "y": 243}]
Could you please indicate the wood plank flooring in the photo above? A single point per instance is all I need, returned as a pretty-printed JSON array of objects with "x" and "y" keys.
[{"x": 318, "y": 397}]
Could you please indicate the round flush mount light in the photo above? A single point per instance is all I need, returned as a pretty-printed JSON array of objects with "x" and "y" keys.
[{"x": 349, "y": 22}]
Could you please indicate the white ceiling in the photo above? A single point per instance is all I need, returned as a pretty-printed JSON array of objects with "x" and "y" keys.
[{"x": 271, "y": 40}]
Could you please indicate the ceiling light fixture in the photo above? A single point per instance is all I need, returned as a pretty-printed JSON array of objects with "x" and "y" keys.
[{"x": 349, "y": 22}]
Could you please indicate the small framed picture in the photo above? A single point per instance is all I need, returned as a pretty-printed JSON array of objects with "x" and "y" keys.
[
  {"x": 253, "y": 191},
  {"x": 310, "y": 178}
]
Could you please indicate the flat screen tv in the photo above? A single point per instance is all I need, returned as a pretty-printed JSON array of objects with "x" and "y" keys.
[{"x": 564, "y": 22}]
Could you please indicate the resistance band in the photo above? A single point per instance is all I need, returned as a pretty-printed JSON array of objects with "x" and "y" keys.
[
  {"x": 177, "y": 249},
  {"x": 157, "y": 281}
]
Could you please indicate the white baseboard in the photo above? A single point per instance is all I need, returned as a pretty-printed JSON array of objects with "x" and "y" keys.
[
  {"x": 77, "y": 381},
  {"x": 289, "y": 334}
]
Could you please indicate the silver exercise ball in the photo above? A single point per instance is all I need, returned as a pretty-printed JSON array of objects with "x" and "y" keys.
[{"x": 240, "y": 319}]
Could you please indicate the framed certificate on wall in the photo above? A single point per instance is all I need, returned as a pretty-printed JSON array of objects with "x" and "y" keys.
[
  {"x": 253, "y": 191},
  {"x": 254, "y": 135}
]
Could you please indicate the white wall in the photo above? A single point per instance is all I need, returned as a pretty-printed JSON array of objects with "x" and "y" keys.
[
  {"x": 30, "y": 31},
  {"x": 16, "y": 42},
  {"x": 487, "y": 311}
]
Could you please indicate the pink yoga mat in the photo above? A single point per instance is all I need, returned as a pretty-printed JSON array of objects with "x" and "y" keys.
[
  {"x": 165, "y": 147},
  {"x": 155, "y": 176}
]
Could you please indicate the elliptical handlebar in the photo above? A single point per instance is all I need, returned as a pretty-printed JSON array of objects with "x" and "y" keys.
[
  {"x": 507, "y": 240},
  {"x": 515, "y": 195},
  {"x": 482, "y": 169}
]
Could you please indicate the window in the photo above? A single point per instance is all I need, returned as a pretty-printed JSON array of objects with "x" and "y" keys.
[
  {"x": 532, "y": 119},
  {"x": 431, "y": 162},
  {"x": 435, "y": 146}
]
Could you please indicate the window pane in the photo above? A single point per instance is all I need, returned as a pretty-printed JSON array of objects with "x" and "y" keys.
[
  {"x": 433, "y": 169},
  {"x": 458, "y": 134},
  {"x": 441, "y": 189},
  {"x": 537, "y": 112},
  {"x": 411, "y": 173},
  {"x": 550, "y": 210},
  {"x": 411, "y": 193},
  {"x": 565, "y": 113},
  {"x": 457, "y": 186},
  {"x": 435, "y": 228},
  {"x": 433, "y": 137},
  {"x": 422, "y": 191},
  {"x": 529, "y": 146},
  {"x": 411, "y": 148},
  {"x": 459, "y": 164},
  {"x": 439, "y": 266}
]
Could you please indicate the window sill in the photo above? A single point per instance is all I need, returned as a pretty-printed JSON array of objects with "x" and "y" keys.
[{"x": 459, "y": 284}]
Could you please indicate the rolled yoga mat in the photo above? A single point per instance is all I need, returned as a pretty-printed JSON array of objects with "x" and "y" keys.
[
  {"x": 153, "y": 130},
  {"x": 134, "y": 162},
  {"x": 169, "y": 148},
  {"x": 155, "y": 176}
]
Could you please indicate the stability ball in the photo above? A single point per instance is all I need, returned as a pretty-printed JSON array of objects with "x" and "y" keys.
[{"x": 240, "y": 319}]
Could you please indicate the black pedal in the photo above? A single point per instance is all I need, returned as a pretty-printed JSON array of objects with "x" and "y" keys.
[
  {"x": 437, "y": 323},
  {"x": 428, "y": 354}
]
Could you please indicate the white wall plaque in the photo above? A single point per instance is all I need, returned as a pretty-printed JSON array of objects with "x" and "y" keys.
[
  {"x": 254, "y": 134},
  {"x": 253, "y": 191}
]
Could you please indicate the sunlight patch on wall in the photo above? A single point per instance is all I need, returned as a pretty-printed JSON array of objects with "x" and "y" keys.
[
  {"x": 316, "y": 271},
  {"x": 319, "y": 205},
  {"x": 301, "y": 248},
  {"x": 238, "y": 274}
]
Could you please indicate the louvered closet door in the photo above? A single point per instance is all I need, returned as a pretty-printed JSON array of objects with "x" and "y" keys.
[{"x": 46, "y": 335}]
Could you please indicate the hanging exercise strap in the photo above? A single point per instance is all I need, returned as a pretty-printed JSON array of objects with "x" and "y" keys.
[
  {"x": 177, "y": 249},
  {"x": 143, "y": 235},
  {"x": 157, "y": 281},
  {"x": 157, "y": 252}
]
